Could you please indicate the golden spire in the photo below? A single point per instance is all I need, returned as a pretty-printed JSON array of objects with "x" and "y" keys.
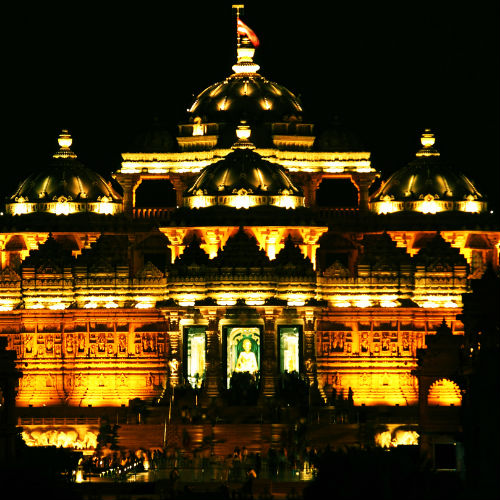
[
  {"x": 246, "y": 41},
  {"x": 65, "y": 142}
]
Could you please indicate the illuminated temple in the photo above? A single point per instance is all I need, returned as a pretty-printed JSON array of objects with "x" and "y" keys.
[{"x": 105, "y": 301}]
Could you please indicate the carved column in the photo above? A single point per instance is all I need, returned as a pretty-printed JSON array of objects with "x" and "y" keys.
[
  {"x": 179, "y": 186},
  {"x": 129, "y": 184},
  {"x": 363, "y": 183},
  {"x": 175, "y": 354},
  {"x": 309, "y": 183},
  {"x": 213, "y": 360},
  {"x": 269, "y": 362},
  {"x": 310, "y": 347}
]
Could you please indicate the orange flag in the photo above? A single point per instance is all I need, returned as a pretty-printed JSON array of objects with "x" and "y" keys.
[{"x": 243, "y": 29}]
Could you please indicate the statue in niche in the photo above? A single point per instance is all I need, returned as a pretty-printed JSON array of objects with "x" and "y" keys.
[
  {"x": 364, "y": 342},
  {"x": 69, "y": 343},
  {"x": 385, "y": 341},
  {"x": 247, "y": 362},
  {"x": 174, "y": 366},
  {"x": 110, "y": 349},
  {"x": 339, "y": 342},
  {"x": 122, "y": 343},
  {"x": 406, "y": 343},
  {"x": 81, "y": 342},
  {"x": 29, "y": 343},
  {"x": 101, "y": 342},
  {"x": 49, "y": 343}
]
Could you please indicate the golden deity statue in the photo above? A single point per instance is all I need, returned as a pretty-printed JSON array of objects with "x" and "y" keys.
[{"x": 246, "y": 360}]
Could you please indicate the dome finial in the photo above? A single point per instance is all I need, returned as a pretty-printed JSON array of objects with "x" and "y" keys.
[
  {"x": 243, "y": 132},
  {"x": 65, "y": 140},
  {"x": 428, "y": 140}
]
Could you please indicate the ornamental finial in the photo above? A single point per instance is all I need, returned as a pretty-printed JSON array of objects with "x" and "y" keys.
[
  {"x": 65, "y": 141},
  {"x": 428, "y": 140}
]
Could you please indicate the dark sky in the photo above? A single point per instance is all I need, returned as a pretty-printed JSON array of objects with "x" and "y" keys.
[{"x": 389, "y": 70}]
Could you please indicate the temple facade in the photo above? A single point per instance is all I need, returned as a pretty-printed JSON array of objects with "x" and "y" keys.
[{"x": 105, "y": 301}]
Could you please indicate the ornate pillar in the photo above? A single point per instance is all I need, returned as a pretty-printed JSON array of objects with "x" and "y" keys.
[
  {"x": 180, "y": 185},
  {"x": 175, "y": 353},
  {"x": 213, "y": 358},
  {"x": 363, "y": 183},
  {"x": 269, "y": 368},
  {"x": 129, "y": 184},
  {"x": 310, "y": 347},
  {"x": 309, "y": 184}
]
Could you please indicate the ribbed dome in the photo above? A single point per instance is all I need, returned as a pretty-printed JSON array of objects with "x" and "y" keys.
[
  {"x": 65, "y": 186},
  {"x": 242, "y": 179},
  {"x": 427, "y": 185},
  {"x": 246, "y": 96}
]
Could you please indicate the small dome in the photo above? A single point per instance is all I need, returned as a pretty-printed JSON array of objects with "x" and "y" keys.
[
  {"x": 427, "y": 185},
  {"x": 65, "y": 186},
  {"x": 243, "y": 179}
]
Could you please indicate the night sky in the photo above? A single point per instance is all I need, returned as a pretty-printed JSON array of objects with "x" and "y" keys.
[{"x": 387, "y": 70}]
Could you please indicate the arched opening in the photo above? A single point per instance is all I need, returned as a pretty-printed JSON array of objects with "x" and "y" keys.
[
  {"x": 155, "y": 193},
  {"x": 337, "y": 193},
  {"x": 444, "y": 392}
]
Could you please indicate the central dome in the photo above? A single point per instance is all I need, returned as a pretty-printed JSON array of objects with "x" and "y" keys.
[
  {"x": 246, "y": 96},
  {"x": 271, "y": 109},
  {"x": 243, "y": 179}
]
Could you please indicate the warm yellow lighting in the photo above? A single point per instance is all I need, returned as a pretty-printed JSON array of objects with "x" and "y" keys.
[
  {"x": 286, "y": 201},
  {"x": 444, "y": 392},
  {"x": 266, "y": 104},
  {"x": 198, "y": 127},
  {"x": 429, "y": 205},
  {"x": 387, "y": 206},
  {"x": 363, "y": 301},
  {"x": 69, "y": 438},
  {"x": 21, "y": 207},
  {"x": 90, "y": 305},
  {"x": 38, "y": 305},
  {"x": 144, "y": 305},
  {"x": 58, "y": 306},
  {"x": 427, "y": 140},
  {"x": 63, "y": 207},
  {"x": 295, "y": 299},
  {"x": 389, "y": 301},
  {"x": 242, "y": 200},
  {"x": 243, "y": 132},
  {"x": 255, "y": 302},
  {"x": 450, "y": 303},
  {"x": 400, "y": 437},
  {"x": 111, "y": 305},
  {"x": 472, "y": 205},
  {"x": 65, "y": 141},
  {"x": 105, "y": 206},
  {"x": 200, "y": 201},
  {"x": 430, "y": 304}
]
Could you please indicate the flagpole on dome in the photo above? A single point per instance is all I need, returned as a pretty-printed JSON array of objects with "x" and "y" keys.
[{"x": 238, "y": 8}]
